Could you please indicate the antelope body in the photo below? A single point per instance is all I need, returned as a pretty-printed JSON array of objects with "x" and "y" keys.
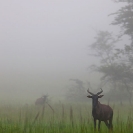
[
  {"x": 41, "y": 100},
  {"x": 100, "y": 112}
]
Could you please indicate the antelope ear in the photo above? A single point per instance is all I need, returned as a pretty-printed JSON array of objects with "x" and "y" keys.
[
  {"x": 89, "y": 96},
  {"x": 100, "y": 96}
]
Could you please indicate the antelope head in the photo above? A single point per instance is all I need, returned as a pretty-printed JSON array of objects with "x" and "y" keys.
[{"x": 95, "y": 97}]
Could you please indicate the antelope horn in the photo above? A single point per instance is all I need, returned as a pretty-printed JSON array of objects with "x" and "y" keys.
[
  {"x": 100, "y": 91},
  {"x": 90, "y": 92}
]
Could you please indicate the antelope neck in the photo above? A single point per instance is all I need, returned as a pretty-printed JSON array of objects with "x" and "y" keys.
[{"x": 97, "y": 105}]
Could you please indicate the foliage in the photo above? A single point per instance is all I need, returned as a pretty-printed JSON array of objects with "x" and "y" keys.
[{"x": 124, "y": 18}]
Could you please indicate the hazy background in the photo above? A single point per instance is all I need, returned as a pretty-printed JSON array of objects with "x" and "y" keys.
[{"x": 44, "y": 43}]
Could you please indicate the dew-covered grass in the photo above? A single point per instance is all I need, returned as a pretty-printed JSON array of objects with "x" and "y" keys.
[{"x": 66, "y": 118}]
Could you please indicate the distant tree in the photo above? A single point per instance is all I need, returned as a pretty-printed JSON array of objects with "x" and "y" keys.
[
  {"x": 76, "y": 91},
  {"x": 114, "y": 70},
  {"x": 116, "y": 64},
  {"x": 124, "y": 19},
  {"x": 104, "y": 49}
]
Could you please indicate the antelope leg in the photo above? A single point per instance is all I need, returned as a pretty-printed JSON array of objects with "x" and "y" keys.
[
  {"x": 106, "y": 123},
  {"x": 50, "y": 107},
  {"x": 94, "y": 124},
  {"x": 99, "y": 125}
]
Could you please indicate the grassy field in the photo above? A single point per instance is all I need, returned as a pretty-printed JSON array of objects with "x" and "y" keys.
[{"x": 66, "y": 118}]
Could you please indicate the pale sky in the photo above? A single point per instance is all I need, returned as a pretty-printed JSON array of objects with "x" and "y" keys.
[{"x": 44, "y": 43}]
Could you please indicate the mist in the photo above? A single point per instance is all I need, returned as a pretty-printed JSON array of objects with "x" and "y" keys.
[{"x": 43, "y": 44}]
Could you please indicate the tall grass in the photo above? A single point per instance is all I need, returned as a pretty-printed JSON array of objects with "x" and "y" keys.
[{"x": 66, "y": 118}]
